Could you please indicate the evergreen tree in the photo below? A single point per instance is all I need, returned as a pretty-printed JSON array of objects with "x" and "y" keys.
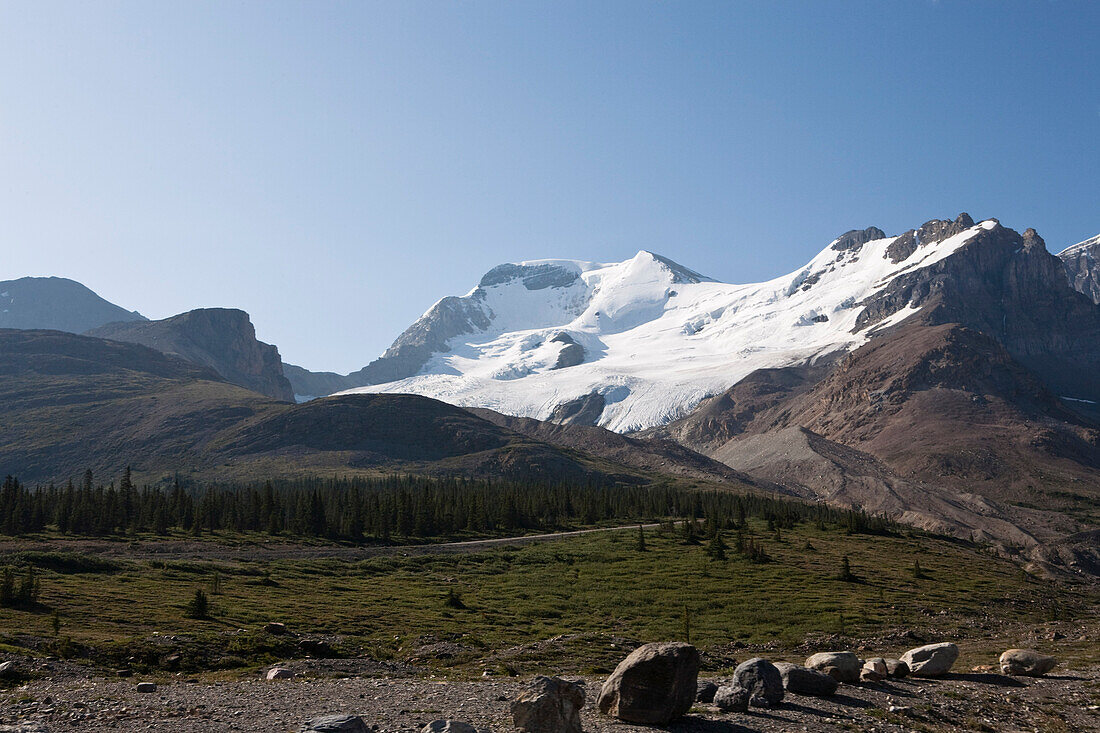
[
  {"x": 640, "y": 544},
  {"x": 199, "y": 606},
  {"x": 846, "y": 570}
]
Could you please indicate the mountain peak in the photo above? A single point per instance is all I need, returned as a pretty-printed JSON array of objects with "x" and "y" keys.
[{"x": 57, "y": 304}]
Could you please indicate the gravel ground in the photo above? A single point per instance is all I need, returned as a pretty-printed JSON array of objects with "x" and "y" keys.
[{"x": 1066, "y": 701}]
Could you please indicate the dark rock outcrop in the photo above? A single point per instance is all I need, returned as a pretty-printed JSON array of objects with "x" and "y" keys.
[
  {"x": 931, "y": 232},
  {"x": 571, "y": 355},
  {"x": 223, "y": 339},
  {"x": 856, "y": 238},
  {"x": 584, "y": 410},
  {"x": 57, "y": 304}
]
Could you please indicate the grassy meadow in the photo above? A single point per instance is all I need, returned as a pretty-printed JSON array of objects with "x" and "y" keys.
[{"x": 495, "y": 608}]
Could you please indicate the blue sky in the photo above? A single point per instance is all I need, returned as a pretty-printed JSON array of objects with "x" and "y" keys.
[{"x": 335, "y": 167}]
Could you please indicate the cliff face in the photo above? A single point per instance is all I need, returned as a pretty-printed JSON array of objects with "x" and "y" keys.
[
  {"x": 1007, "y": 286},
  {"x": 223, "y": 339},
  {"x": 1082, "y": 263}
]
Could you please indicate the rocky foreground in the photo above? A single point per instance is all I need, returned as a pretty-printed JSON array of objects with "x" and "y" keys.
[{"x": 1063, "y": 700}]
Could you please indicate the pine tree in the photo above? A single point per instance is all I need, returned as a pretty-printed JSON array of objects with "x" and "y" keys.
[
  {"x": 846, "y": 570},
  {"x": 716, "y": 549},
  {"x": 7, "y": 588},
  {"x": 918, "y": 573},
  {"x": 199, "y": 606},
  {"x": 640, "y": 544}
]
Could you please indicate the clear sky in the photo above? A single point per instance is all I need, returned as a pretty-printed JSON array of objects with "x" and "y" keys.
[{"x": 335, "y": 167}]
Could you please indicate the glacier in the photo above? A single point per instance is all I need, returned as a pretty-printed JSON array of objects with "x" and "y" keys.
[{"x": 657, "y": 338}]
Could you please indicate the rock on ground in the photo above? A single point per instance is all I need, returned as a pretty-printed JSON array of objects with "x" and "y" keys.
[
  {"x": 654, "y": 685},
  {"x": 731, "y": 699},
  {"x": 763, "y": 681},
  {"x": 931, "y": 660},
  {"x": 1026, "y": 662},
  {"x": 802, "y": 681},
  {"x": 897, "y": 668},
  {"x": 549, "y": 705},
  {"x": 335, "y": 724},
  {"x": 874, "y": 670},
  {"x": 704, "y": 692},
  {"x": 841, "y": 666}
]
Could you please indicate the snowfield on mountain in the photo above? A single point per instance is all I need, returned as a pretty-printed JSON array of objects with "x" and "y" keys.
[{"x": 656, "y": 337}]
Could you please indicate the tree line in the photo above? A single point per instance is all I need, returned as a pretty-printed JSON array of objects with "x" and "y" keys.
[{"x": 385, "y": 509}]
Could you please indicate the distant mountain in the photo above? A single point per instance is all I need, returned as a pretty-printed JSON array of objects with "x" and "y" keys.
[
  {"x": 936, "y": 425},
  {"x": 223, "y": 339},
  {"x": 309, "y": 385},
  {"x": 58, "y": 304},
  {"x": 75, "y": 402},
  {"x": 1082, "y": 262},
  {"x": 635, "y": 344}
]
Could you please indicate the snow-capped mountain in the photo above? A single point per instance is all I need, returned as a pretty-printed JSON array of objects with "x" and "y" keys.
[{"x": 634, "y": 344}]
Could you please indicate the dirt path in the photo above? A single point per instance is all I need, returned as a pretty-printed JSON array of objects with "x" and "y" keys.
[{"x": 188, "y": 549}]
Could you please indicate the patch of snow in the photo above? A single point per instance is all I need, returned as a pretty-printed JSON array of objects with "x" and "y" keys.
[
  {"x": 658, "y": 341},
  {"x": 1078, "y": 399}
]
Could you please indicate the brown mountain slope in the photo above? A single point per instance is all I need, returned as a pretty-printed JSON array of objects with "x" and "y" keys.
[
  {"x": 72, "y": 403},
  {"x": 223, "y": 339},
  {"x": 649, "y": 454},
  {"x": 930, "y": 424}
]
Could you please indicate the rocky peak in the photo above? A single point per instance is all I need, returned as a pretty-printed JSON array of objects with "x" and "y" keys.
[
  {"x": 931, "y": 232},
  {"x": 1082, "y": 264},
  {"x": 223, "y": 339},
  {"x": 856, "y": 238}
]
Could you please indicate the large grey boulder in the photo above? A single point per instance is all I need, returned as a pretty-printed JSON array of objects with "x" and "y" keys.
[
  {"x": 654, "y": 685},
  {"x": 897, "y": 668},
  {"x": 731, "y": 699},
  {"x": 280, "y": 673},
  {"x": 763, "y": 681},
  {"x": 8, "y": 671},
  {"x": 841, "y": 666},
  {"x": 931, "y": 660},
  {"x": 549, "y": 705},
  {"x": 1026, "y": 662},
  {"x": 335, "y": 724},
  {"x": 803, "y": 681}
]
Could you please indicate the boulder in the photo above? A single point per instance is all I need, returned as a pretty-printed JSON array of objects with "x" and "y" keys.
[
  {"x": 763, "y": 681},
  {"x": 1026, "y": 662},
  {"x": 448, "y": 726},
  {"x": 704, "y": 692},
  {"x": 897, "y": 668},
  {"x": 335, "y": 724},
  {"x": 803, "y": 681},
  {"x": 275, "y": 627},
  {"x": 549, "y": 705},
  {"x": 841, "y": 666},
  {"x": 874, "y": 670},
  {"x": 318, "y": 648},
  {"x": 279, "y": 673},
  {"x": 730, "y": 699},
  {"x": 146, "y": 686},
  {"x": 8, "y": 671},
  {"x": 931, "y": 660},
  {"x": 654, "y": 685}
]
